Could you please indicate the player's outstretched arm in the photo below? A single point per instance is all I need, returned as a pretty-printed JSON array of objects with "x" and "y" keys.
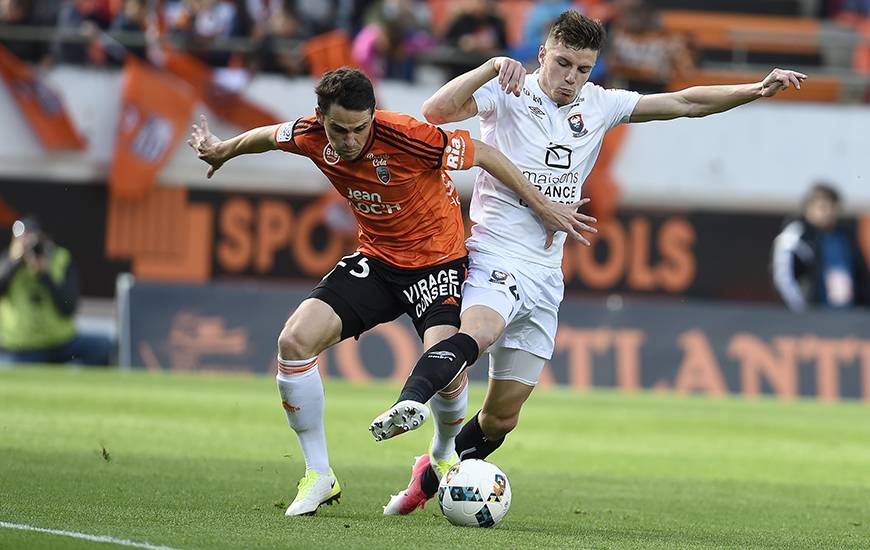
[
  {"x": 700, "y": 101},
  {"x": 553, "y": 215},
  {"x": 216, "y": 152},
  {"x": 454, "y": 102}
]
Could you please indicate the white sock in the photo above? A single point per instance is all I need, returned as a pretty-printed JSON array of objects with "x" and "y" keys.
[
  {"x": 302, "y": 398},
  {"x": 448, "y": 412}
]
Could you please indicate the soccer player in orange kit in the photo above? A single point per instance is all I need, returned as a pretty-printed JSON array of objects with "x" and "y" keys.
[{"x": 411, "y": 258}]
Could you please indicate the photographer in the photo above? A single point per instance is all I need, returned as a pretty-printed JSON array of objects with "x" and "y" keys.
[{"x": 38, "y": 296}]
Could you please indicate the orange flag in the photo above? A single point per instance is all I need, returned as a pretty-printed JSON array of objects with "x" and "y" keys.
[
  {"x": 227, "y": 104},
  {"x": 39, "y": 104},
  {"x": 155, "y": 111}
]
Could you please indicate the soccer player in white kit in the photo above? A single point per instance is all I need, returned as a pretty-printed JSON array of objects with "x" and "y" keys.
[{"x": 551, "y": 124}]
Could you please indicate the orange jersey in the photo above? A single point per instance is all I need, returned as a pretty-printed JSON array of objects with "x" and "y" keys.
[{"x": 405, "y": 203}]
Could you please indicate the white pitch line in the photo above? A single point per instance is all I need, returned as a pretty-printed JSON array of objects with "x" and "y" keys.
[{"x": 85, "y": 536}]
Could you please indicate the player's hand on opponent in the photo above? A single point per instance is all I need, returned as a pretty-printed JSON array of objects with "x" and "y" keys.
[
  {"x": 567, "y": 218},
  {"x": 511, "y": 74},
  {"x": 781, "y": 79},
  {"x": 206, "y": 146}
]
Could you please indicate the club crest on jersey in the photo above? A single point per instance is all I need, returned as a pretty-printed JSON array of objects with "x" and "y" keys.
[
  {"x": 383, "y": 174},
  {"x": 575, "y": 121},
  {"x": 498, "y": 277},
  {"x": 330, "y": 156}
]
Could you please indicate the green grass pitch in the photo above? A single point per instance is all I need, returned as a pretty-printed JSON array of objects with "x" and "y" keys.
[{"x": 209, "y": 462}]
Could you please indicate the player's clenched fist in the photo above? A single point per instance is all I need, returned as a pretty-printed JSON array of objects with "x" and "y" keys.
[
  {"x": 781, "y": 79},
  {"x": 511, "y": 74},
  {"x": 206, "y": 145}
]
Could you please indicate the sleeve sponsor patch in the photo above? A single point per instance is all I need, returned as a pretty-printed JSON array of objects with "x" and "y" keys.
[
  {"x": 459, "y": 151},
  {"x": 285, "y": 133}
]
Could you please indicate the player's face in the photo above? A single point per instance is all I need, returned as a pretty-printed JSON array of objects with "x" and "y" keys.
[
  {"x": 564, "y": 70},
  {"x": 347, "y": 131}
]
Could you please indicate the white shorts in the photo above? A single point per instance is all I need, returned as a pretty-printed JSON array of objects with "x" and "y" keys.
[{"x": 527, "y": 296}]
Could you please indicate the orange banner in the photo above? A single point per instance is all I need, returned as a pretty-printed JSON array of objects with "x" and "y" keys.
[
  {"x": 39, "y": 104},
  {"x": 601, "y": 185},
  {"x": 155, "y": 111},
  {"x": 227, "y": 104}
]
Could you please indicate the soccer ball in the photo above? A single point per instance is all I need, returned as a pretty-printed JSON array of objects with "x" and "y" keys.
[{"x": 474, "y": 493}]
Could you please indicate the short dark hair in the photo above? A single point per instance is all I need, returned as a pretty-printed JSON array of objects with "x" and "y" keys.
[
  {"x": 825, "y": 190},
  {"x": 348, "y": 87},
  {"x": 577, "y": 31}
]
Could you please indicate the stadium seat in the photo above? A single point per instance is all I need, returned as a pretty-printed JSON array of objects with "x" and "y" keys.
[
  {"x": 862, "y": 50},
  {"x": 757, "y": 38},
  {"x": 328, "y": 51},
  {"x": 514, "y": 13},
  {"x": 760, "y": 7}
]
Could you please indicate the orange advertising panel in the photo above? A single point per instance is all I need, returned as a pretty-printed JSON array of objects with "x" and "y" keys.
[
  {"x": 229, "y": 105},
  {"x": 155, "y": 111},
  {"x": 39, "y": 104}
]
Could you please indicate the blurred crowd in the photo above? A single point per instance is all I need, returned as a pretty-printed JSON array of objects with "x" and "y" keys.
[
  {"x": 387, "y": 38},
  {"x": 849, "y": 12}
]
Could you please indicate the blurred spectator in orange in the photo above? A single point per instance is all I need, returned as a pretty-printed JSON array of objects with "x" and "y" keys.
[
  {"x": 21, "y": 12},
  {"x": 640, "y": 54},
  {"x": 816, "y": 261},
  {"x": 387, "y": 47}
]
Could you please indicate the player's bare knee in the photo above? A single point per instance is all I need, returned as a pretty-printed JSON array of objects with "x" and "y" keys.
[
  {"x": 293, "y": 344},
  {"x": 496, "y": 426},
  {"x": 485, "y": 328},
  {"x": 483, "y": 334}
]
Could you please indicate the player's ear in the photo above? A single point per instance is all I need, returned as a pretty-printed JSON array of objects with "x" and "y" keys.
[
  {"x": 542, "y": 51},
  {"x": 318, "y": 114}
]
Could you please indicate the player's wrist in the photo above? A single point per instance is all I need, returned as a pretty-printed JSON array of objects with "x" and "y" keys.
[
  {"x": 541, "y": 205},
  {"x": 756, "y": 90},
  {"x": 224, "y": 150}
]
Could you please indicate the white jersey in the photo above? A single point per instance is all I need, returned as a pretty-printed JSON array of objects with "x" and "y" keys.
[{"x": 555, "y": 148}]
